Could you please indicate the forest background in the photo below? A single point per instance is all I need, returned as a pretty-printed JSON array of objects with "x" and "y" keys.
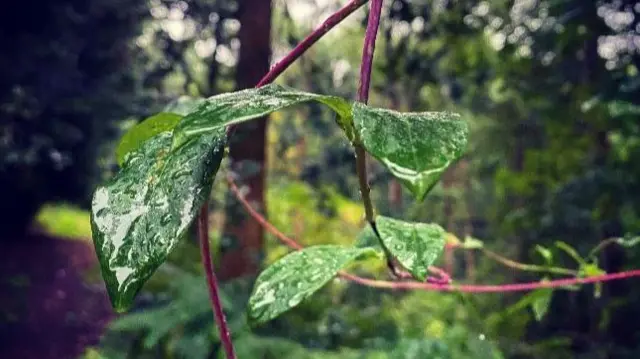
[{"x": 550, "y": 91}]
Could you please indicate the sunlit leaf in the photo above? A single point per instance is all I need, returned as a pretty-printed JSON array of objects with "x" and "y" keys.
[
  {"x": 415, "y": 147},
  {"x": 133, "y": 139},
  {"x": 415, "y": 245},
  {"x": 298, "y": 275},
  {"x": 138, "y": 216},
  {"x": 235, "y": 107}
]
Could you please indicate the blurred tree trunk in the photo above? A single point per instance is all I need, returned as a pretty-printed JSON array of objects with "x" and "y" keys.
[{"x": 243, "y": 237}]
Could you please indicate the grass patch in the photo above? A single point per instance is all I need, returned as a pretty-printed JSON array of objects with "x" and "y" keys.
[{"x": 63, "y": 220}]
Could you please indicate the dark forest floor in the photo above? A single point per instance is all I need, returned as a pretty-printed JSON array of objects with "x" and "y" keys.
[{"x": 47, "y": 310}]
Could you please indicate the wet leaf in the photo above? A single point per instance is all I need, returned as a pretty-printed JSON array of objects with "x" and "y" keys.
[
  {"x": 158, "y": 123},
  {"x": 296, "y": 276},
  {"x": 138, "y": 216},
  {"x": 235, "y": 107},
  {"x": 133, "y": 139},
  {"x": 415, "y": 147},
  {"x": 184, "y": 105},
  {"x": 415, "y": 245}
]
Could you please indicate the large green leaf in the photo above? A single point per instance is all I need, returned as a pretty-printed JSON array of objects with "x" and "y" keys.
[
  {"x": 133, "y": 139},
  {"x": 415, "y": 245},
  {"x": 415, "y": 147},
  {"x": 235, "y": 107},
  {"x": 296, "y": 276},
  {"x": 138, "y": 216}
]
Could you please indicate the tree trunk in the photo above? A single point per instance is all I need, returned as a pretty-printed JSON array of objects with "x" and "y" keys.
[{"x": 243, "y": 237}]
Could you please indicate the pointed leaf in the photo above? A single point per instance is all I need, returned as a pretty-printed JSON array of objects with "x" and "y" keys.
[
  {"x": 133, "y": 139},
  {"x": 235, "y": 107},
  {"x": 298, "y": 275},
  {"x": 415, "y": 245},
  {"x": 161, "y": 122},
  {"x": 541, "y": 298},
  {"x": 138, "y": 216},
  {"x": 415, "y": 147}
]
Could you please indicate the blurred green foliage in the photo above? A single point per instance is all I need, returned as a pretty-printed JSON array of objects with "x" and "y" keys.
[{"x": 65, "y": 221}]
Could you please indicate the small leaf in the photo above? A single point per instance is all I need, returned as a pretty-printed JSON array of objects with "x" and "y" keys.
[
  {"x": 415, "y": 147},
  {"x": 545, "y": 253},
  {"x": 541, "y": 298},
  {"x": 235, "y": 107},
  {"x": 472, "y": 243},
  {"x": 571, "y": 252},
  {"x": 628, "y": 242},
  {"x": 415, "y": 245},
  {"x": 143, "y": 131},
  {"x": 138, "y": 216},
  {"x": 592, "y": 270},
  {"x": 298, "y": 275}
]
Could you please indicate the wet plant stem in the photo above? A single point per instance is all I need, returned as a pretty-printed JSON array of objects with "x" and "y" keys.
[
  {"x": 202, "y": 221},
  {"x": 212, "y": 282},
  {"x": 363, "y": 96}
]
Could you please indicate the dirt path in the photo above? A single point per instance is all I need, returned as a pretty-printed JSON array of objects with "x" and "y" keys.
[{"x": 47, "y": 311}]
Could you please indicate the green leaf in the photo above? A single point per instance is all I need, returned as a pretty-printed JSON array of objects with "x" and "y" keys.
[
  {"x": 545, "y": 253},
  {"x": 628, "y": 242},
  {"x": 138, "y": 216},
  {"x": 415, "y": 147},
  {"x": 571, "y": 252},
  {"x": 592, "y": 270},
  {"x": 541, "y": 298},
  {"x": 472, "y": 243},
  {"x": 158, "y": 123},
  {"x": 143, "y": 131},
  {"x": 184, "y": 105},
  {"x": 235, "y": 107},
  {"x": 296, "y": 276},
  {"x": 367, "y": 239},
  {"x": 415, "y": 245}
]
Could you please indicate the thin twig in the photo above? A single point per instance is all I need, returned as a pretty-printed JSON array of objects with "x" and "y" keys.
[
  {"x": 442, "y": 287},
  {"x": 212, "y": 282},
  {"x": 305, "y": 44},
  {"x": 526, "y": 267},
  {"x": 363, "y": 96}
]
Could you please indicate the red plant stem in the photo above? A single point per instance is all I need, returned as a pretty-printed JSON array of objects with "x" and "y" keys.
[
  {"x": 212, "y": 282},
  {"x": 442, "y": 287},
  {"x": 311, "y": 39},
  {"x": 203, "y": 227},
  {"x": 369, "y": 47},
  {"x": 363, "y": 96}
]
